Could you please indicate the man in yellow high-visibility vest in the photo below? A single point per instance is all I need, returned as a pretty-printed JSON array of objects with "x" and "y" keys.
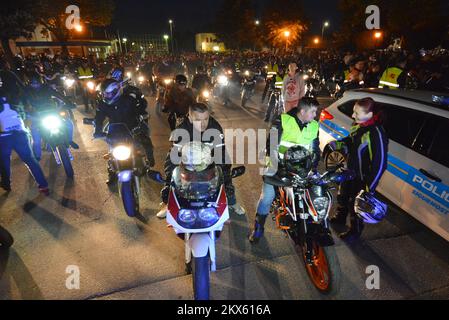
[
  {"x": 297, "y": 127},
  {"x": 394, "y": 77},
  {"x": 85, "y": 74}
]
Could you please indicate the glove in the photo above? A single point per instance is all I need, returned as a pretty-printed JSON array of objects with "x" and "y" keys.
[
  {"x": 313, "y": 175},
  {"x": 98, "y": 135}
]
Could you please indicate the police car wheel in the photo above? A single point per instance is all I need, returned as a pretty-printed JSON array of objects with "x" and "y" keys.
[{"x": 333, "y": 159}]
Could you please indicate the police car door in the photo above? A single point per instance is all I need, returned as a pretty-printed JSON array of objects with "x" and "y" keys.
[{"x": 426, "y": 193}]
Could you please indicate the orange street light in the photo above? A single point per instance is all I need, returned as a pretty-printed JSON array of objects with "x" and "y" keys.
[
  {"x": 316, "y": 40},
  {"x": 287, "y": 34},
  {"x": 378, "y": 35},
  {"x": 79, "y": 28}
]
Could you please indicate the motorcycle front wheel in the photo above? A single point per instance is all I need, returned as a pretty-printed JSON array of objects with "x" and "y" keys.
[
  {"x": 6, "y": 239},
  {"x": 130, "y": 197},
  {"x": 201, "y": 275},
  {"x": 323, "y": 269}
]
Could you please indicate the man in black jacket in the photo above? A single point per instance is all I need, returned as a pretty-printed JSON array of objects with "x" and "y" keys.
[
  {"x": 194, "y": 126},
  {"x": 123, "y": 108}
]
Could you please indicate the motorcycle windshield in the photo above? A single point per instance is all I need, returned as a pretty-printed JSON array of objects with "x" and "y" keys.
[
  {"x": 118, "y": 132},
  {"x": 197, "y": 185}
]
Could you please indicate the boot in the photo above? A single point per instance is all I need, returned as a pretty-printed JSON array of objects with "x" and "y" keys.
[
  {"x": 354, "y": 232},
  {"x": 257, "y": 233}
]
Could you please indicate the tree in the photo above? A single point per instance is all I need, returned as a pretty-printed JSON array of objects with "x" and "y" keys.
[
  {"x": 53, "y": 15},
  {"x": 16, "y": 20},
  {"x": 235, "y": 23},
  {"x": 282, "y": 18},
  {"x": 417, "y": 22}
]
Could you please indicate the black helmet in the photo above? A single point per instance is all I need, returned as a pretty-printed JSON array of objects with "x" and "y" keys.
[
  {"x": 298, "y": 160},
  {"x": 181, "y": 79},
  {"x": 110, "y": 91},
  {"x": 35, "y": 81}
]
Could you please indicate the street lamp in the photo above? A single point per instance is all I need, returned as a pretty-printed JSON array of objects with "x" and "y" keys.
[
  {"x": 257, "y": 22},
  {"x": 286, "y": 35},
  {"x": 377, "y": 37},
  {"x": 316, "y": 40},
  {"x": 126, "y": 47},
  {"x": 79, "y": 28},
  {"x": 325, "y": 25},
  {"x": 171, "y": 34},
  {"x": 166, "y": 40}
]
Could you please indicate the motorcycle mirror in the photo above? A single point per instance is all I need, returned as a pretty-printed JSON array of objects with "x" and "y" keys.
[
  {"x": 156, "y": 176},
  {"x": 88, "y": 121},
  {"x": 238, "y": 171}
]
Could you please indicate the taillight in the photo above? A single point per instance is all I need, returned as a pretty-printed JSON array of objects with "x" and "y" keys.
[{"x": 325, "y": 115}]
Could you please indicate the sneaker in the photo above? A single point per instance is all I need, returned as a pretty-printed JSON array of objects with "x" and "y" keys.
[
  {"x": 45, "y": 191},
  {"x": 239, "y": 210},
  {"x": 162, "y": 212}
]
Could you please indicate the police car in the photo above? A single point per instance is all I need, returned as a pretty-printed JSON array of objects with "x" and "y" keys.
[{"x": 417, "y": 124}]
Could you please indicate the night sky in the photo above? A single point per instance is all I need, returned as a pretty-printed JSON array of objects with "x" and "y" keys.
[{"x": 151, "y": 16}]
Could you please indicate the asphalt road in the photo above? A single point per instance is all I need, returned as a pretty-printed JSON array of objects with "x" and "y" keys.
[{"x": 82, "y": 224}]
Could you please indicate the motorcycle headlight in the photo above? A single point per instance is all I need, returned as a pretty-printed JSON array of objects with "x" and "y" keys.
[
  {"x": 52, "y": 123},
  {"x": 247, "y": 73},
  {"x": 141, "y": 79},
  {"x": 208, "y": 215},
  {"x": 223, "y": 80},
  {"x": 305, "y": 77},
  {"x": 187, "y": 216},
  {"x": 206, "y": 94},
  {"x": 129, "y": 74},
  {"x": 167, "y": 81},
  {"x": 69, "y": 82},
  {"x": 90, "y": 85},
  {"x": 121, "y": 153},
  {"x": 321, "y": 204}
]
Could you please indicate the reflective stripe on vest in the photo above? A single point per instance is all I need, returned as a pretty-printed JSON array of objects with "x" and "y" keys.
[
  {"x": 279, "y": 82},
  {"x": 390, "y": 78},
  {"x": 293, "y": 136},
  {"x": 85, "y": 73}
]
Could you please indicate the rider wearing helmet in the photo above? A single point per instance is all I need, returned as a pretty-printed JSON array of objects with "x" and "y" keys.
[
  {"x": 178, "y": 100},
  {"x": 198, "y": 122},
  {"x": 296, "y": 128},
  {"x": 200, "y": 80},
  {"x": 40, "y": 97},
  {"x": 119, "y": 107},
  {"x": 367, "y": 148}
]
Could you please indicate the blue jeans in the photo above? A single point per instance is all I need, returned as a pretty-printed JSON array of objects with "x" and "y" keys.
[
  {"x": 265, "y": 200},
  {"x": 19, "y": 142},
  {"x": 35, "y": 133}
]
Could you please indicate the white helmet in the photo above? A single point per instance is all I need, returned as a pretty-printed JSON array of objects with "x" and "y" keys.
[
  {"x": 368, "y": 208},
  {"x": 196, "y": 156}
]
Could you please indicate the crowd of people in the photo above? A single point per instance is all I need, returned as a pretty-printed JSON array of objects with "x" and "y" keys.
[{"x": 29, "y": 84}]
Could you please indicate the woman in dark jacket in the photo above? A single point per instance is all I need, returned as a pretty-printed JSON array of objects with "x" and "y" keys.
[{"x": 367, "y": 150}]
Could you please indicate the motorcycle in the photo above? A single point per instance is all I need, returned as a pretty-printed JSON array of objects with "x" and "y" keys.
[
  {"x": 248, "y": 87},
  {"x": 197, "y": 210},
  {"x": 54, "y": 133},
  {"x": 162, "y": 87},
  {"x": 127, "y": 160},
  {"x": 301, "y": 210},
  {"x": 6, "y": 239},
  {"x": 275, "y": 104},
  {"x": 222, "y": 89},
  {"x": 203, "y": 96}
]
